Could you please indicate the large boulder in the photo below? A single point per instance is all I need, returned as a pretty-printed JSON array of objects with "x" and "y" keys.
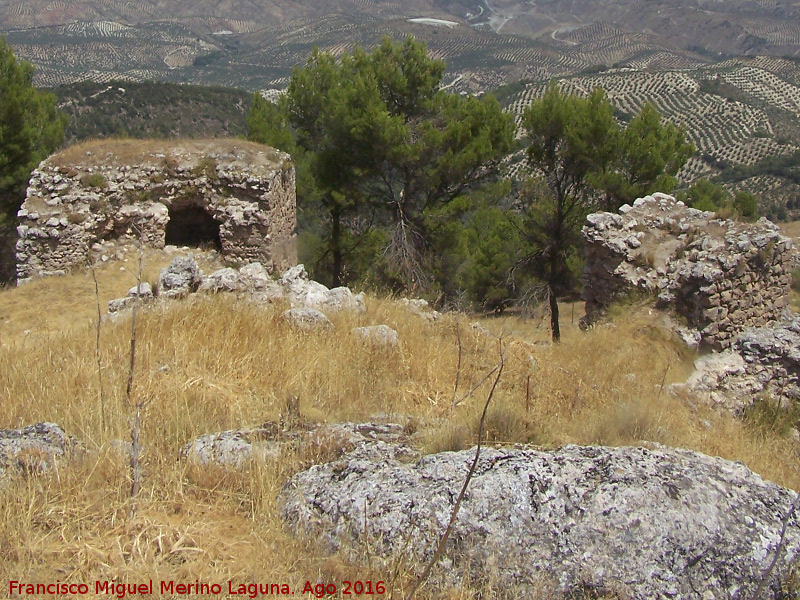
[
  {"x": 34, "y": 449},
  {"x": 641, "y": 523}
]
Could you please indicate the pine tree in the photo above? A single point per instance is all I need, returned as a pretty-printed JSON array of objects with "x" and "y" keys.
[
  {"x": 585, "y": 161},
  {"x": 30, "y": 128}
]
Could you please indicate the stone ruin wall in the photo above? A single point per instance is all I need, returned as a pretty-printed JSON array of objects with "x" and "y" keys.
[
  {"x": 87, "y": 201},
  {"x": 721, "y": 276}
]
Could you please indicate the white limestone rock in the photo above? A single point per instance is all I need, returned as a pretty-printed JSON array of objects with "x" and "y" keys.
[
  {"x": 381, "y": 336},
  {"x": 307, "y": 318},
  {"x": 642, "y": 523},
  {"x": 180, "y": 278},
  {"x": 35, "y": 449}
]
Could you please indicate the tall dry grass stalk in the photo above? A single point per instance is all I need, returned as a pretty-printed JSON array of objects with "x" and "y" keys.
[
  {"x": 97, "y": 347},
  {"x": 138, "y": 404},
  {"x": 211, "y": 363}
]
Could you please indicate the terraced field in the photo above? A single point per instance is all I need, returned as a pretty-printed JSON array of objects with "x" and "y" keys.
[
  {"x": 735, "y": 113},
  {"x": 252, "y": 56}
]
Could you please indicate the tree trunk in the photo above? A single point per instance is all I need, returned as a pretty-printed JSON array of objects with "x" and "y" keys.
[
  {"x": 554, "y": 328},
  {"x": 336, "y": 246}
]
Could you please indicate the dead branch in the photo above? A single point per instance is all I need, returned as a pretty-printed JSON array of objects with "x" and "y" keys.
[
  {"x": 458, "y": 368},
  {"x": 137, "y": 417},
  {"x": 477, "y": 385},
  {"x": 97, "y": 348},
  {"x": 457, "y": 506}
]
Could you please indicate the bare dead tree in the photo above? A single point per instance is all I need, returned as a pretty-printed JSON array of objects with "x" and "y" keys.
[
  {"x": 403, "y": 252},
  {"x": 454, "y": 513}
]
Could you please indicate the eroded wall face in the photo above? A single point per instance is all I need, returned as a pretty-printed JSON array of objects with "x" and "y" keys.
[
  {"x": 720, "y": 276},
  {"x": 77, "y": 212}
]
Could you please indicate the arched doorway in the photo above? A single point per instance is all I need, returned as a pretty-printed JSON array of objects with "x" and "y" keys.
[{"x": 192, "y": 226}]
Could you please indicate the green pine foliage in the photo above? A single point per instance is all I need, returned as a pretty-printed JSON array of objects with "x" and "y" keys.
[
  {"x": 30, "y": 128},
  {"x": 380, "y": 143},
  {"x": 706, "y": 195},
  {"x": 586, "y": 161}
]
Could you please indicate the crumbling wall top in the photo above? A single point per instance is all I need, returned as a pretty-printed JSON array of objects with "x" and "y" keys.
[
  {"x": 720, "y": 275},
  {"x": 85, "y": 201}
]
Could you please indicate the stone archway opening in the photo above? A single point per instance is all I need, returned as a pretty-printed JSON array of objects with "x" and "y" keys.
[{"x": 192, "y": 226}]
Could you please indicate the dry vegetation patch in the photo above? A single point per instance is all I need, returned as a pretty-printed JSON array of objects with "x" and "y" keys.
[{"x": 216, "y": 362}]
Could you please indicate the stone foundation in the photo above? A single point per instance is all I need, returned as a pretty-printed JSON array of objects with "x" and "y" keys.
[{"x": 235, "y": 195}]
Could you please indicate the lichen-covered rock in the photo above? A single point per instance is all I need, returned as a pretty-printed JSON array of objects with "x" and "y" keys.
[
  {"x": 142, "y": 293},
  {"x": 235, "y": 448},
  {"x": 643, "y": 523},
  {"x": 222, "y": 280},
  {"x": 34, "y": 449},
  {"x": 719, "y": 275},
  {"x": 237, "y": 195},
  {"x": 180, "y": 278},
  {"x": 381, "y": 336},
  {"x": 307, "y": 318}
]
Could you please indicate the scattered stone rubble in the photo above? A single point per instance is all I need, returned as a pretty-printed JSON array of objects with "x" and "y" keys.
[
  {"x": 634, "y": 522},
  {"x": 35, "y": 449},
  {"x": 721, "y": 276},
  {"x": 236, "y": 448},
  {"x": 83, "y": 205},
  {"x": 421, "y": 308},
  {"x": 760, "y": 360},
  {"x": 306, "y": 297}
]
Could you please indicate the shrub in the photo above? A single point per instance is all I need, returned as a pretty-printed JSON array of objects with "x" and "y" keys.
[
  {"x": 768, "y": 415},
  {"x": 94, "y": 180},
  {"x": 207, "y": 167}
]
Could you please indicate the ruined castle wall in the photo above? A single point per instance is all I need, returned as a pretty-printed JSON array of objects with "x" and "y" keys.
[
  {"x": 88, "y": 198},
  {"x": 721, "y": 276}
]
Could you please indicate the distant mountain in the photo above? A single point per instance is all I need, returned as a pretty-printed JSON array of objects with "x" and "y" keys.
[
  {"x": 253, "y": 44},
  {"x": 693, "y": 58}
]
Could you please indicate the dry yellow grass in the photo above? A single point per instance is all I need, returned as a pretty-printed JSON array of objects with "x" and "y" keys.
[
  {"x": 157, "y": 152},
  {"x": 215, "y": 363}
]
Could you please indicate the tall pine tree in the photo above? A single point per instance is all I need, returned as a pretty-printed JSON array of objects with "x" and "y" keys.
[{"x": 30, "y": 129}]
